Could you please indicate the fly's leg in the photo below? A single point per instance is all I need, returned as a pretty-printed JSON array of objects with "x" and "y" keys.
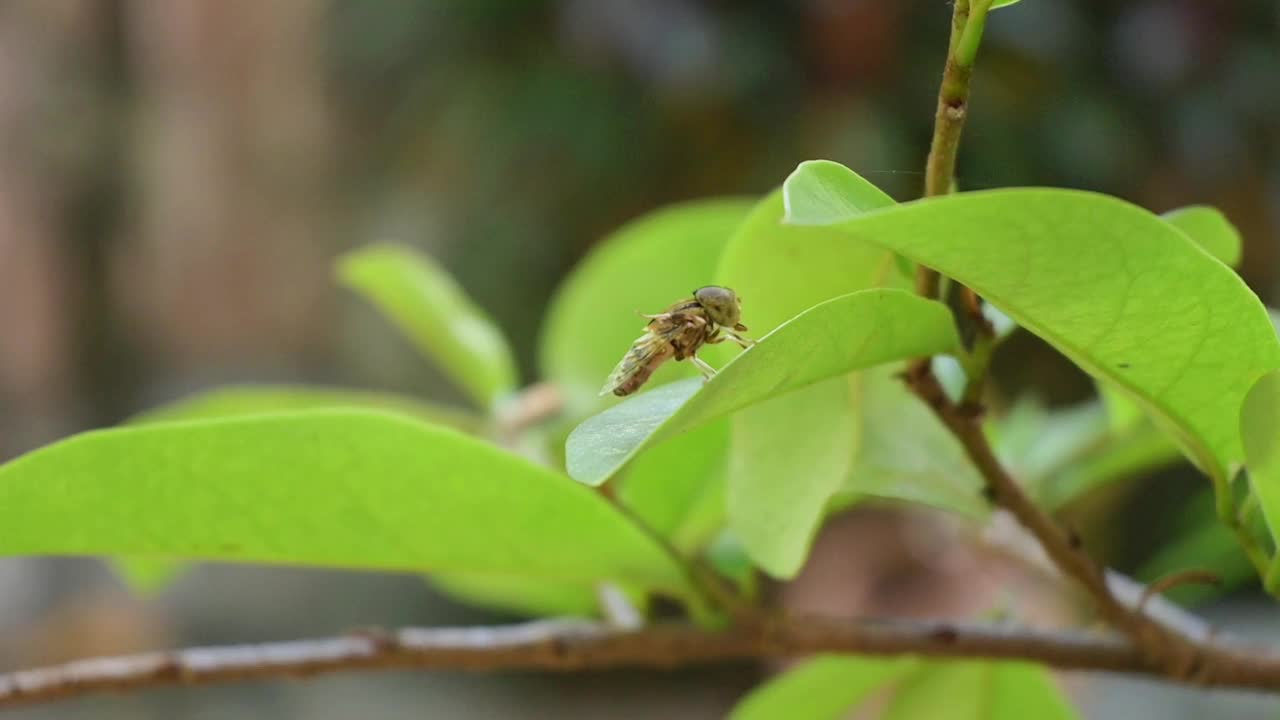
[
  {"x": 708, "y": 372},
  {"x": 744, "y": 342}
]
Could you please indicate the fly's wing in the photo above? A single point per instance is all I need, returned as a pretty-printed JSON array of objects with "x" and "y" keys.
[{"x": 646, "y": 353}]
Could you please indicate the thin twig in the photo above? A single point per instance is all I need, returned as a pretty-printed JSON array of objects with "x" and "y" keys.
[
  {"x": 1159, "y": 643},
  {"x": 567, "y": 645},
  {"x": 534, "y": 404},
  {"x": 1005, "y": 536},
  {"x": 1173, "y": 580}
]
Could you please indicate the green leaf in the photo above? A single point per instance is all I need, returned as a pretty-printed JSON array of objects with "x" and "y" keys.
[
  {"x": 257, "y": 399},
  {"x": 774, "y": 510},
  {"x": 425, "y": 302},
  {"x": 906, "y": 453},
  {"x": 1210, "y": 229},
  {"x": 519, "y": 595},
  {"x": 779, "y": 270},
  {"x": 665, "y": 485},
  {"x": 824, "y": 688},
  {"x": 728, "y": 557},
  {"x": 1123, "y": 414},
  {"x": 1260, "y": 427},
  {"x": 833, "y": 189},
  {"x": 356, "y": 489},
  {"x": 1121, "y": 293},
  {"x": 809, "y": 436},
  {"x": 1138, "y": 452},
  {"x": 645, "y": 266},
  {"x": 147, "y": 575},
  {"x": 848, "y": 333},
  {"x": 706, "y": 517},
  {"x": 975, "y": 690},
  {"x": 1034, "y": 441},
  {"x": 996, "y": 4}
]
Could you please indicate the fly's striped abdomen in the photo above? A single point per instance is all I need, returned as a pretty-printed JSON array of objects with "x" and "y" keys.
[{"x": 642, "y": 370}]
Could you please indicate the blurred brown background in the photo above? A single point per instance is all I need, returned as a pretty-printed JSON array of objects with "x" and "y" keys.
[{"x": 175, "y": 176}]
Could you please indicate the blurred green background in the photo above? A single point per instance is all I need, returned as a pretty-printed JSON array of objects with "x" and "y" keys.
[{"x": 177, "y": 175}]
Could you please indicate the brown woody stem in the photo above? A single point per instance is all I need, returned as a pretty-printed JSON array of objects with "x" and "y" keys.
[{"x": 567, "y": 645}]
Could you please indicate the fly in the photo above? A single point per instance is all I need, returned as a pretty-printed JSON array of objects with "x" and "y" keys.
[{"x": 711, "y": 316}]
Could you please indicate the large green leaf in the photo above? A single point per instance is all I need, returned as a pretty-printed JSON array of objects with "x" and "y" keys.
[
  {"x": 976, "y": 690},
  {"x": 778, "y": 491},
  {"x": 425, "y": 302},
  {"x": 665, "y": 485},
  {"x": 358, "y": 489},
  {"x": 645, "y": 266},
  {"x": 257, "y": 399},
  {"x": 1120, "y": 292},
  {"x": 824, "y": 688},
  {"x": 847, "y": 333},
  {"x": 1260, "y": 427},
  {"x": 907, "y": 454},
  {"x": 149, "y": 575},
  {"x": 1210, "y": 229},
  {"x": 809, "y": 436}
]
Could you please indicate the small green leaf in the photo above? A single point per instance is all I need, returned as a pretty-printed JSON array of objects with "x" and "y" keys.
[
  {"x": 425, "y": 302},
  {"x": 1208, "y": 228},
  {"x": 644, "y": 267},
  {"x": 1003, "y": 3},
  {"x": 257, "y": 399},
  {"x": 848, "y": 333},
  {"x": 355, "y": 489},
  {"x": 832, "y": 189},
  {"x": 975, "y": 690},
  {"x": 1260, "y": 427},
  {"x": 1121, "y": 293},
  {"x": 824, "y": 688},
  {"x": 519, "y": 595}
]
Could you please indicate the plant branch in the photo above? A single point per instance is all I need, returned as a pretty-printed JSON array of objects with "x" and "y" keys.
[
  {"x": 1159, "y": 643},
  {"x": 953, "y": 103},
  {"x": 568, "y": 645}
]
